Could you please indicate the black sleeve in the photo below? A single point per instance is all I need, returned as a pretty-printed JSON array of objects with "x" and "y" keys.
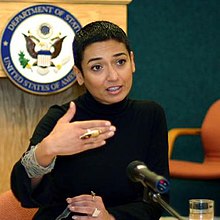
[{"x": 20, "y": 182}]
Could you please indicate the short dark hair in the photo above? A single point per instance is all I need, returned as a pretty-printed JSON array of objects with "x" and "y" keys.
[{"x": 96, "y": 32}]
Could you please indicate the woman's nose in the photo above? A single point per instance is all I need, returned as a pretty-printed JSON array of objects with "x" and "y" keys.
[{"x": 112, "y": 74}]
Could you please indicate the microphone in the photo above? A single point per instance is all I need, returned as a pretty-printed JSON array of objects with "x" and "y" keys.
[{"x": 138, "y": 172}]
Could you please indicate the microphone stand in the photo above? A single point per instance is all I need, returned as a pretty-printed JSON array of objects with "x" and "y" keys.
[{"x": 157, "y": 198}]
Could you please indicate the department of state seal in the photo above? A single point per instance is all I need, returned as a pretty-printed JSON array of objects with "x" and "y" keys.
[{"x": 36, "y": 49}]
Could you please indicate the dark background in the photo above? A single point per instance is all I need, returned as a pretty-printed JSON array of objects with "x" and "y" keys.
[{"x": 177, "y": 53}]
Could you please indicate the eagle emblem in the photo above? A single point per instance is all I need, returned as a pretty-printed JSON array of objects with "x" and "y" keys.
[
  {"x": 36, "y": 49},
  {"x": 42, "y": 50}
]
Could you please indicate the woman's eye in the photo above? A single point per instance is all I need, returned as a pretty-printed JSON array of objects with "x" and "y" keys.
[
  {"x": 121, "y": 61},
  {"x": 96, "y": 67}
]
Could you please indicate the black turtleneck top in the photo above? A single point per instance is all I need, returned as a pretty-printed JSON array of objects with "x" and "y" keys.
[{"x": 141, "y": 135}]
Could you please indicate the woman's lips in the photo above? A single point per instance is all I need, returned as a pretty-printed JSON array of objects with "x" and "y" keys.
[{"x": 114, "y": 89}]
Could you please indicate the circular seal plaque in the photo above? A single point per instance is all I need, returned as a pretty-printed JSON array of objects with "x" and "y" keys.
[{"x": 36, "y": 49}]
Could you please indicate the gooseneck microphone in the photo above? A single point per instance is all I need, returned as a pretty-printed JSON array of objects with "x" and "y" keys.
[{"x": 138, "y": 172}]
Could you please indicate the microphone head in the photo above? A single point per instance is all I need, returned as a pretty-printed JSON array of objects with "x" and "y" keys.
[
  {"x": 137, "y": 171},
  {"x": 132, "y": 170}
]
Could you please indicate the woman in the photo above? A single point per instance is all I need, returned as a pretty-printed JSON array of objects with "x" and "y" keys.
[{"x": 84, "y": 147}]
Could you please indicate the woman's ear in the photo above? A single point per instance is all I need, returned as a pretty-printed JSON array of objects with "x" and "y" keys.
[
  {"x": 78, "y": 74},
  {"x": 132, "y": 61}
]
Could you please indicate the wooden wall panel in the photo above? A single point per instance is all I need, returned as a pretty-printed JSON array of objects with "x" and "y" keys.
[{"x": 19, "y": 110}]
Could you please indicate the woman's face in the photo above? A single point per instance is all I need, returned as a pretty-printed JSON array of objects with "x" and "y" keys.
[{"x": 107, "y": 71}]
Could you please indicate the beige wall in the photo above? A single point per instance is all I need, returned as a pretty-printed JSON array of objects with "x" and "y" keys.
[{"x": 19, "y": 110}]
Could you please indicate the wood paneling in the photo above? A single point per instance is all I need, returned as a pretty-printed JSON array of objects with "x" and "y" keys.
[{"x": 21, "y": 111}]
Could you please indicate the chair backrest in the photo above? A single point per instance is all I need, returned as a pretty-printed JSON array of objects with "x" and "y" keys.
[
  {"x": 10, "y": 208},
  {"x": 210, "y": 133}
]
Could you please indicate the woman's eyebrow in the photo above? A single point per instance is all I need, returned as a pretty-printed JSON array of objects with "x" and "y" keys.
[
  {"x": 99, "y": 58},
  {"x": 119, "y": 54},
  {"x": 94, "y": 59}
]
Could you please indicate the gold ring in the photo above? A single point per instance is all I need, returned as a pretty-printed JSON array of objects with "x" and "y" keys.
[
  {"x": 90, "y": 133},
  {"x": 96, "y": 213}
]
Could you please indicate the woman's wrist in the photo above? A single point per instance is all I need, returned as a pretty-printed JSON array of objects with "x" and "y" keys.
[
  {"x": 44, "y": 153},
  {"x": 32, "y": 166}
]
